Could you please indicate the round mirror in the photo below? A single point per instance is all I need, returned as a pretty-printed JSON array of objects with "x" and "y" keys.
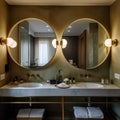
[
  {"x": 85, "y": 44},
  {"x": 34, "y": 43}
]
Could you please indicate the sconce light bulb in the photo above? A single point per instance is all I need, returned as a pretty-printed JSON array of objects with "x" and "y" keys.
[
  {"x": 64, "y": 43},
  {"x": 11, "y": 43},
  {"x": 54, "y": 43},
  {"x": 108, "y": 42}
]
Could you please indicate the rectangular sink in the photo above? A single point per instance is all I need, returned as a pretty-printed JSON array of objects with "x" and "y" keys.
[
  {"x": 30, "y": 85},
  {"x": 89, "y": 85}
]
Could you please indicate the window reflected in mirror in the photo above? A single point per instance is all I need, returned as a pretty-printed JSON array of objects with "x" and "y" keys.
[
  {"x": 85, "y": 44},
  {"x": 34, "y": 38}
]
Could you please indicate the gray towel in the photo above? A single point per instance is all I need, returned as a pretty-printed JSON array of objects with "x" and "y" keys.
[
  {"x": 80, "y": 112},
  {"x": 37, "y": 113},
  {"x": 95, "y": 112},
  {"x": 23, "y": 113}
]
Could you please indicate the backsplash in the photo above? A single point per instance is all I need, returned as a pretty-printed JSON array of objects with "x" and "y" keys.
[{"x": 67, "y": 71}]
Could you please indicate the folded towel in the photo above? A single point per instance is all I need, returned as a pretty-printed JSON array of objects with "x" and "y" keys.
[
  {"x": 62, "y": 84},
  {"x": 80, "y": 112},
  {"x": 95, "y": 112},
  {"x": 37, "y": 113},
  {"x": 23, "y": 113}
]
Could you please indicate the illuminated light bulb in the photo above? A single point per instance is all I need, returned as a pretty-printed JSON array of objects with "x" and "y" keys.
[
  {"x": 109, "y": 42},
  {"x": 54, "y": 43},
  {"x": 11, "y": 43},
  {"x": 64, "y": 43}
]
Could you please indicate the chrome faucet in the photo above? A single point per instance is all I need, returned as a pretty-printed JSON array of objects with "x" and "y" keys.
[{"x": 30, "y": 76}]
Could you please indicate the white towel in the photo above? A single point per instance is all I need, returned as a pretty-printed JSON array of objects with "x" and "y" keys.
[
  {"x": 95, "y": 112},
  {"x": 80, "y": 112},
  {"x": 23, "y": 113},
  {"x": 37, "y": 113}
]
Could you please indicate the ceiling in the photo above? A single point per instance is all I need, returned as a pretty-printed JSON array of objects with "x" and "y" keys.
[
  {"x": 39, "y": 28},
  {"x": 62, "y": 2}
]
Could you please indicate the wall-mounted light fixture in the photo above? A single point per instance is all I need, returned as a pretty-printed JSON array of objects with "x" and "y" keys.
[
  {"x": 109, "y": 42},
  {"x": 63, "y": 43},
  {"x": 54, "y": 43},
  {"x": 8, "y": 41}
]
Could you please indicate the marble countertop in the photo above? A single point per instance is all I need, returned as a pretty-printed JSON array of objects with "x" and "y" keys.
[{"x": 78, "y": 89}]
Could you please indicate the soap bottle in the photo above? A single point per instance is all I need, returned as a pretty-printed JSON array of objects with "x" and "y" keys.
[
  {"x": 73, "y": 80},
  {"x": 102, "y": 81}
]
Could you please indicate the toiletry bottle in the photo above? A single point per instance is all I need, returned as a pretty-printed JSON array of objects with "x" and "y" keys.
[
  {"x": 102, "y": 81},
  {"x": 73, "y": 80},
  {"x": 70, "y": 79}
]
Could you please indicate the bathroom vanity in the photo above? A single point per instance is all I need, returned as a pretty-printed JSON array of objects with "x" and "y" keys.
[
  {"x": 45, "y": 89},
  {"x": 59, "y": 102}
]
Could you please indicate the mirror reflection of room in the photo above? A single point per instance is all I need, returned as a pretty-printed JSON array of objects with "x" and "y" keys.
[
  {"x": 35, "y": 43},
  {"x": 85, "y": 44}
]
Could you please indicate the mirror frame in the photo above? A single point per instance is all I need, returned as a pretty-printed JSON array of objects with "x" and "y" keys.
[
  {"x": 107, "y": 33},
  {"x": 37, "y": 67}
]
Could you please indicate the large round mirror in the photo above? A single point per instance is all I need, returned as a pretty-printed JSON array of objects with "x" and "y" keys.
[
  {"x": 34, "y": 43},
  {"x": 85, "y": 44}
]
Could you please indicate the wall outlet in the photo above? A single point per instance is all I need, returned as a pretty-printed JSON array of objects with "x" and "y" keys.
[
  {"x": 117, "y": 76},
  {"x": 2, "y": 76}
]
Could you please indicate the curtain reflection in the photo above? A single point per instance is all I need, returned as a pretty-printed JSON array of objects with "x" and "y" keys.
[
  {"x": 42, "y": 54},
  {"x": 34, "y": 43}
]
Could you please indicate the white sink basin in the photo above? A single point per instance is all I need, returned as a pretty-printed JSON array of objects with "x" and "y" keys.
[
  {"x": 89, "y": 85},
  {"x": 30, "y": 85}
]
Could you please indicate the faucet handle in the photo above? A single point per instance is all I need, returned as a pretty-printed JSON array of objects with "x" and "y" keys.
[
  {"x": 30, "y": 76},
  {"x": 33, "y": 75},
  {"x": 38, "y": 75}
]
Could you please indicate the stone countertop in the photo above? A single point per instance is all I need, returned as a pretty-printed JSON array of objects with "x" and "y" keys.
[{"x": 12, "y": 90}]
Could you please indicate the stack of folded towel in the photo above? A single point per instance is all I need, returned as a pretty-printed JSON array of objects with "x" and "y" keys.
[
  {"x": 80, "y": 112},
  {"x": 23, "y": 113},
  {"x": 88, "y": 112},
  {"x": 30, "y": 114},
  {"x": 95, "y": 112},
  {"x": 37, "y": 113}
]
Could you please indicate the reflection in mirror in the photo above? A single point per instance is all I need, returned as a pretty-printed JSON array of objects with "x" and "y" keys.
[
  {"x": 34, "y": 38},
  {"x": 85, "y": 44}
]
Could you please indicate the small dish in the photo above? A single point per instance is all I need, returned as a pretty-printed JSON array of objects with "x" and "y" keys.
[{"x": 62, "y": 85}]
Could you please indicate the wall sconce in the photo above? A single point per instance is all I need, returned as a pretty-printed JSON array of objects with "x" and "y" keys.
[
  {"x": 8, "y": 41},
  {"x": 109, "y": 42},
  {"x": 54, "y": 43},
  {"x": 63, "y": 43}
]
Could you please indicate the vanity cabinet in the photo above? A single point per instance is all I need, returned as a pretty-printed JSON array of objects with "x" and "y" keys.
[{"x": 56, "y": 108}]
